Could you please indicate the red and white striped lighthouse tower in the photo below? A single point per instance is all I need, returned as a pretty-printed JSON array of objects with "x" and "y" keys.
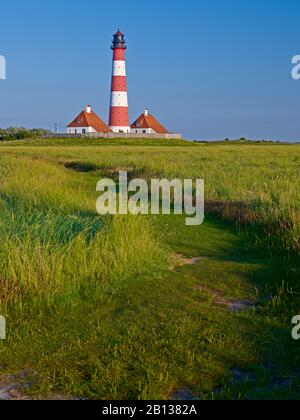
[{"x": 118, "y": 116}]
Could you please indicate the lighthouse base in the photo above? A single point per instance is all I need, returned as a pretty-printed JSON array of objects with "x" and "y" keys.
[{"x": 120, "y": 129}]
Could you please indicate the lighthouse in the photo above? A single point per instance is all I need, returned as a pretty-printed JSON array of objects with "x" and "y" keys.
[{"x": 118, "y": 115}]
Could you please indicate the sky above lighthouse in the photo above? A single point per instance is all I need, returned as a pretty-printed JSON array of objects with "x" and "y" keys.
[{"x": 209, "y": 69}]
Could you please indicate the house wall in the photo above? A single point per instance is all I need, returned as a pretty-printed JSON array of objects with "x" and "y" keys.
[
  {"x": 142, "y": 131},
  {"x": 116, "y": 136},
  {"x": 81, "y": 130}
]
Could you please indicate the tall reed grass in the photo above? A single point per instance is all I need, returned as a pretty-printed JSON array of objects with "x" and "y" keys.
[
  {"x": 253, "y": 185},
  {"x": 53, "y": 243}
]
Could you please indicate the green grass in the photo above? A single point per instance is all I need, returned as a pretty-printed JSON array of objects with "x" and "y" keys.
[
  {"x": 88, "y": 142},
  {"x": 102, "y": 308},
  {"x": 250, "y": 183}
]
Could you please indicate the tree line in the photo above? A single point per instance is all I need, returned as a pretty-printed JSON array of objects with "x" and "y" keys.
[{"x": 19, "y": 133}]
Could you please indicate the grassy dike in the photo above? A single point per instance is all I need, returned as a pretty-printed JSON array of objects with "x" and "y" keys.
[{"x": 143, "y": 307}]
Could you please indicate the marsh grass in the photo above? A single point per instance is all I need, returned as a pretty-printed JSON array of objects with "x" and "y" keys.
[
  {"x": 253, "y": 185},
  {"x": 53, "y": 242},
  {"x": 91, "y": 303}
]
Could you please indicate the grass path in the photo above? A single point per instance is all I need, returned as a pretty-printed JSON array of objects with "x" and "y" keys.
[
  {"x": 247, "y": 349},
  {"x": 157, "y": 330},
  {"x": 165, "y": 336}
]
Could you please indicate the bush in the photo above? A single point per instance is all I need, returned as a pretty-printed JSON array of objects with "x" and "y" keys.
[{"x": 15, "y": 133}]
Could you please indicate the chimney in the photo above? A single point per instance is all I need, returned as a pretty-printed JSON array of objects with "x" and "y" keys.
[
  {"x": 89, "y": 109},
  {"x": 146, "y": 113}
]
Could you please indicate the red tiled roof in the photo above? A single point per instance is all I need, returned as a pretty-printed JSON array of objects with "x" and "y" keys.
[
  {"x": 85, "y": 119},
  {"x": 148, "y": 121}
]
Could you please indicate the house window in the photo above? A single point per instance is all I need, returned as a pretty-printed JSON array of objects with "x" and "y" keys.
[
  {"x": 144, "y": 131},
  {"x": 75, "y": 131},
  {"x": 83, "y": 131}
]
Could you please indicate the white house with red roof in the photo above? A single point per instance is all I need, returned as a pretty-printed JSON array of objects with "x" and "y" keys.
[
  {"x": 88, "y": 122},
  {"x": 147, "y": 124}
]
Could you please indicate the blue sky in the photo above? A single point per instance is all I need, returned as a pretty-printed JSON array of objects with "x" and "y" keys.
[{"x": 209, "y": 69}]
